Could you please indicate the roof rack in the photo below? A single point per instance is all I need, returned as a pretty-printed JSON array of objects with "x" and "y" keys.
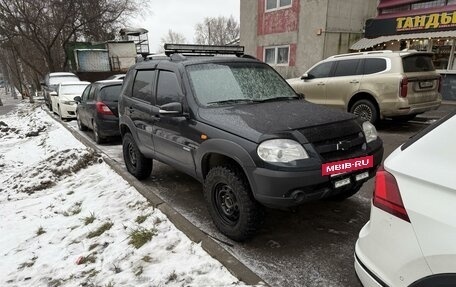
[
  {"x": 203, "y": 49},
  {"x": 361, "y": 53}
]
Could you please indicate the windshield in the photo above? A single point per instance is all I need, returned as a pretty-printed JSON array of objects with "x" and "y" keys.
[
  {"x": 62, "y": 79},
  {"x": 236, "y": 82},
  {"x": 72, "y": 89}
]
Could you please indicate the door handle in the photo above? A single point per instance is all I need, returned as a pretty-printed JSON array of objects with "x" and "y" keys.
[
  {"x": 321, "y": 84},
  {"x": 354, "y": 82}
]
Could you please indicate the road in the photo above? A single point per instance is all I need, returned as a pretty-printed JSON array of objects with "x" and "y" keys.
[{"x": 312, "y": 246}]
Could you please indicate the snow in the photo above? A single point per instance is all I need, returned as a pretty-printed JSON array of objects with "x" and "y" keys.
[{"x": 52, "y": 187}]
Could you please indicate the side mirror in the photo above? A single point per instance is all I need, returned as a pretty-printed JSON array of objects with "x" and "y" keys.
[
  {"x": 77, "y": 99},
  {"x": 171, "y": 110},
  {"x": 301, "y": 96},
  {"x": 305, "y": 77},
  {"x": 53, "y": 94}
]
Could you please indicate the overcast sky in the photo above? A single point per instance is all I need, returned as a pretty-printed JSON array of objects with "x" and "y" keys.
[{"x": 181, "y": 16}]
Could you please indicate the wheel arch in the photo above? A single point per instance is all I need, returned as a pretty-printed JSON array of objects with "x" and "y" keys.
[
  {"x": 222, "y": 152},
  {"x": 363, "y": 96}
]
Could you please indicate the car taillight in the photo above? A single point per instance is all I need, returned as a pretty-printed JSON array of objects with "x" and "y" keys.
[
  {"x": 103, "y": 109},
  {"x": 404, "y": 87},
  {"x": 387, "y": 196}
]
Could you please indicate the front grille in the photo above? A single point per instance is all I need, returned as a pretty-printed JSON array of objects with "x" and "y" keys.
[{"x": 337, "y": 141}]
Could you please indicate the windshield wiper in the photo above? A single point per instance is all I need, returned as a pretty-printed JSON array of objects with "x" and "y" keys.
[
  {"x": 232, "y": 101},
  {"x": 277, "y": 99}
]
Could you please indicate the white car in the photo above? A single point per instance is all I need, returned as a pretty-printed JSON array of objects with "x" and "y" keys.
[
  {"x": 410, "y": 239},
  {"x": 63, "y": 102}
]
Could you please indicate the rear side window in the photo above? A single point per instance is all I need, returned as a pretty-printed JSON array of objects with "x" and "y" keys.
[
  {"x": 347, "y": 68},
  {"x": 110, "y": 93},
  {"x": 321, "y": 71},
  {"x": 142, "y": 87},
  {"x": 417, "y": 63},
  {"x": 168, "y": 88},
  {"x": 372, "y": 66}
]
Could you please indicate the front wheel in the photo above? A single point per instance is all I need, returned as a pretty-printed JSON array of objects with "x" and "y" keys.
[
  {"x": 366, "y": 110},
  {"x": 233, "y": 209},
  {"x": 137, "y": 164}
]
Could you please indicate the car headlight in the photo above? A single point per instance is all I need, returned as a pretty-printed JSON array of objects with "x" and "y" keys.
[
  {"x": 68, "y": 103},
  {"x": 370, "y": 132},
  {"x": 281, "y": 150}
]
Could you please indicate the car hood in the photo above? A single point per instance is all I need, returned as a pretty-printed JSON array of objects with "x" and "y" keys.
[{"x": 253, "y": 121}]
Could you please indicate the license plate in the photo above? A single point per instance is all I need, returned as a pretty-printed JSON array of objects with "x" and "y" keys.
[
  {"x": 348, "y": 165},
  {"x": 426, "y": 84}
]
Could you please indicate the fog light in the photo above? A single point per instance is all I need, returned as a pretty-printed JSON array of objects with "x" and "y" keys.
[
  {"x": 362, "y": 176},
  {"x": 342, "y": 182}
]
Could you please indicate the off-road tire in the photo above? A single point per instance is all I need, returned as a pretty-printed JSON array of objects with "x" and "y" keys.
[
  {"x": 231, "y": 204},
  {"x": 137, "y": 164},
  {"x": 366, "y": 110},
  {"x": 81, "y": 126}
]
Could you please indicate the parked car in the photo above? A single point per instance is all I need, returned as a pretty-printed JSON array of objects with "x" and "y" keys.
[
  {"x": 410, "y": 238},
  {"x": 374, "y": 85},
  {"x": 63, "y": 102},
  {"x": 97, "y": 109},
  {"x": 117, "y": 77},
  {"x": 234, "y": 124},
  {"x": 51, "y": 82}
]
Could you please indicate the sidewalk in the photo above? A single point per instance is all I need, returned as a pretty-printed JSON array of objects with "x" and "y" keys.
[{"x": 8, "y": 102}]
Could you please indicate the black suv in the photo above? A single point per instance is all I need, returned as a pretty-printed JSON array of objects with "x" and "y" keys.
[{"x": 233, "y": 123}]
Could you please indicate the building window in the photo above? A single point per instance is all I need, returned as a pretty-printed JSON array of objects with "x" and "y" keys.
[
  {"x": 416, "y": 6},
  {"x": 272, "y": 5},
  {"x": 279, "y": 55},
  {"x": 428, "y": 4}
]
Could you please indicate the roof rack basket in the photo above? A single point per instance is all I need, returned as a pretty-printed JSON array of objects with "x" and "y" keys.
[{"x": 203, "y": 49}]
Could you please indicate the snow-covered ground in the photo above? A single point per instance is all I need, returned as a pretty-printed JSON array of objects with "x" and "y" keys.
[{"x": 67, "y": 219}]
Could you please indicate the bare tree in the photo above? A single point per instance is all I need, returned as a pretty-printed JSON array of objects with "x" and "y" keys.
[
  {"x": 217, "y": 31},
  {"x": 172, "y": 37},
  {"x": 39, "y": 31}
]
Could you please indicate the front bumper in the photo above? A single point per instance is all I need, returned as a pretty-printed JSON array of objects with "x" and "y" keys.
[
  {"x": 67, "y": 111},
  {"x": 283, "y": 189}
]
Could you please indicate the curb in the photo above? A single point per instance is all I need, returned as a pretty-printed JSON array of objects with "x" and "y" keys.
[{"x": 213, "y": 248}]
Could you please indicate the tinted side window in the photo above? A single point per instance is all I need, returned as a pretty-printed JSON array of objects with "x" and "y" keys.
[
  {"x": 372, "y": 66},
  {"x": 142, "y": 87},
  {"x": 110, "y": 93},
  {"x": 347, "y": 68},
  {"x": 86, "y": 92},
  {"x": 321, "y": 71},
  {"x": 418, "y": 63},
  {"x": 168, "y": 89},
  {"x": 91, "y": 96}
]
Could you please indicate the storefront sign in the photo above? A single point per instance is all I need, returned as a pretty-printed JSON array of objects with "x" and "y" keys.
[
  {"x": 426, "y": 22},
  {"x": 411, "y": 24}
]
